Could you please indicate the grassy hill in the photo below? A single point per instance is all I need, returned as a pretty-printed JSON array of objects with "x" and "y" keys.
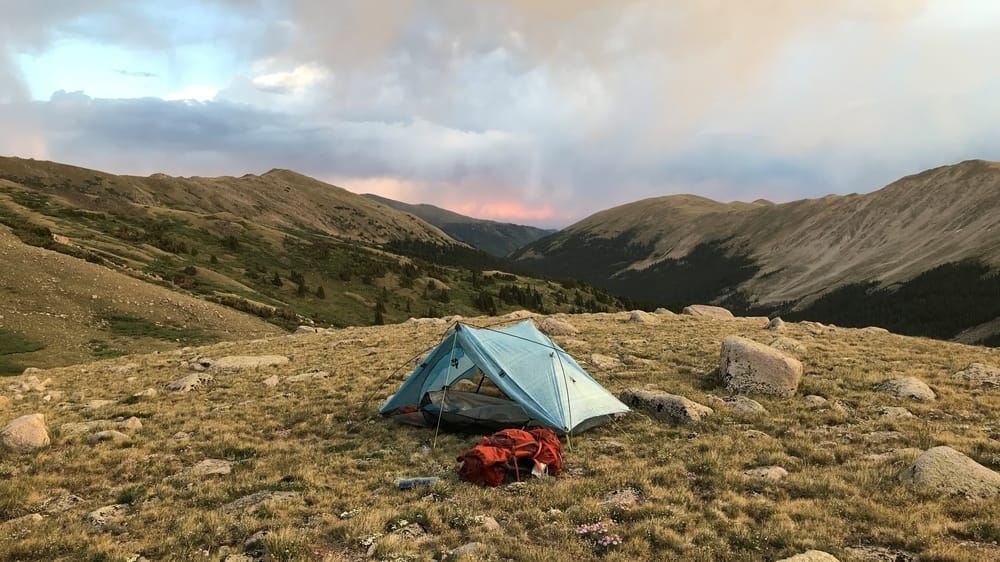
[
  {"x": 932, "y": 234},
  {"x": 280, "y": 247},
  {"x": 495, "y": 238},
  {"x": 672, "y": 492}
]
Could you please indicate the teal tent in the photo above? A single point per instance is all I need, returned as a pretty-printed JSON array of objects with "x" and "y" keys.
[{"x": 542, "y": 385}]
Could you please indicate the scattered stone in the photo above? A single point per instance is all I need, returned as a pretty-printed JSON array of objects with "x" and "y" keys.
[
  {"x": 466, "y": 550},
  {"x": 247, "y": 502},
  {"x": 664, "y": 312},
  {"x": 137, "y": 558},
  {"x": 306, "y": 330},
  {"x": 108, "y": 435},
  {"x": 424, "y": 321},
  {"x": 489, "y": 524},
  {"x": 612, "y": 447},
  {"x": 755, "y": 434},
  {"x": 97, "y": 404},
  {"x": 29, "y": 384},
  {"x": 53, "y": 396},
  {"x": 31, "y": 370},
  {"x": 738, "y": 403},
  {"x": 894, "y": 412},
  {"x": 59, "y": 504},
  {"x": 272, "y": 380},
  {"x": 604, "y": 362},
  {"x": 245, "y": 362},
  {"x": 180, "y": 436},
  {"x": 626, "y": 498},
  {"x": 555, "y": 327},
  {"x": 773, "y": 473},
  {"x": 520, "y": 314},
  {"x": 814, "y": 328},
  {"x": 238, "y": 558},
  {"x": 148, "y": 393},
  {"x": 75, "y": 428},
  {"x": 310, "y": 376},
  {"x": 867, "y": 553},
  {"x": 212, "y": 467},
  {"x": 707, "y": 311},
  {"x": 947, "y": 470},
  {"x": 132, "y": 424},
  {"x": 979, "y": 373},
  {"x": 815, "y": 400},
  {"x": 664, "y": 406},
  {"x": 748, "y": 367},
  {"x": 642, "y": 317},
  {"x": 907, "y": 387},
  {"x": 826, "y": 445},
  {"x": 775, "y": 324},
  {"x": 410, "y": 531},
  {"x": 107, "y": 515},
  {"x": 880, "y": 437},
  {"x": 188, "y": 383},
  {"x": 25, "y": 434},
  {"x": 874, "y": 330},
  {"x": 811, "y": 556},
  {"x": 788, "y": 345}
]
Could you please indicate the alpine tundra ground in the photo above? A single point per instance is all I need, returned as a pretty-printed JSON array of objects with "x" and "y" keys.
[{"x": 299, "y": 469}]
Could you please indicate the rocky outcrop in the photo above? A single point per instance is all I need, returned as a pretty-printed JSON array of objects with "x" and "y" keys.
[
  {"x": 978, "y": 373},
  {"x": 189, "y": 383},
  {"x": 664, "y": 406},
  {"x": 907, "y": 387},
  {"x": 25, "y": 434},
  {"x": 707, "y": 311},
  {"x": 556, "y": 327},
  {"x": 775, "y": 324},
  {"x": 946, "y": 470},
  {"x": 748, "y": 367},
  {"x": 642, "y": 317}
]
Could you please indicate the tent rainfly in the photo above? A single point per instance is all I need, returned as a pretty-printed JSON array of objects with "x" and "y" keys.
[{"x": 542, "y": 384}]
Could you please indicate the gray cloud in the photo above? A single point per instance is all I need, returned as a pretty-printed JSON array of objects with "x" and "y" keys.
[{"x": 574, "y": 105}]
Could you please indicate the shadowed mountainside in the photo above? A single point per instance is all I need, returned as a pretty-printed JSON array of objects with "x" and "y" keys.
[
  {"x": 782, "y": 258},
  {"x": 492, "y": 237}
]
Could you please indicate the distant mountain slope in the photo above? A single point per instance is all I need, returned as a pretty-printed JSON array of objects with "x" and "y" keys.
[
  {"x": 496, "y": 238},
  {"x": 794, "y": 256},
  {"x": 281, "y": 247}
]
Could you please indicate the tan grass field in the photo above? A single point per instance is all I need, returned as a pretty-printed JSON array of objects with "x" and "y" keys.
[{"x": 317, "y": 438}]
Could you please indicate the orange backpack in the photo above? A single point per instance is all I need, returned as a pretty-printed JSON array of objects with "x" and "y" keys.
[{"x": 512, "y": 451}]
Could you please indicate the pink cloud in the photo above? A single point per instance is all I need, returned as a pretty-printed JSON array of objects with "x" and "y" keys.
[{"x": 508, "y": 211}]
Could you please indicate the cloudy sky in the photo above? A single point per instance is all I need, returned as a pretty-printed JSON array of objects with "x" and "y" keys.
[{"x": 538, "y": 112}]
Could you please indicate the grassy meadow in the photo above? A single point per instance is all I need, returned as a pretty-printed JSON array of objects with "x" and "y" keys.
[{"x": 668, "y": 492}]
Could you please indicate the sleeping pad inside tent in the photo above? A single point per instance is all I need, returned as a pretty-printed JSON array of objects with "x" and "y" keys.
[{"x": 535, "y": 382}]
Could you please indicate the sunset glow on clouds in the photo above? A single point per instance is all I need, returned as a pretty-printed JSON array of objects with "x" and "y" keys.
[{"x": 534, "y": 112}]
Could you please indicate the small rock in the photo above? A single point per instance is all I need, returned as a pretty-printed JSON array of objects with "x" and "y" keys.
[
  {"x": 305, "y": 330},
  {"x": 59, "y": 504},
  {"x": 97, "y": 404},
  {"x": 25, "y": 434},
  {"x": 626, "y": 498},
  {"x": 272, "y": 380},
  {"x": 776, "y": 324},
  {"x": 466, "y": 550},
  {"x": 907, "y": 387},
  {"x": 788, "y": 345},
  {"x": 555, "y": 327},
  {"x": 664, "y": 406},
  {"x": 310, "y": 376},
  {"x": 24, "y": 521},
  {"x": 132, "y": 424},
  {"x": 148, "y": 393},
  {"x": 108, "y": 435},
  {"x": 212, "y": 467},
  {"x": 978, "y": 373},
  {"x": 748, "y": 367},
  {"x": 827, "y": 445},
  {"x": 489, "y": 524},
  {"x": 811, "y": 556},
  {"x": 189, "y": 383},
  {"x": 874, "y": 330},
  {"x": 894, "y": 412},
  {"x": 605, "y": 363},
  {"x": 664, "y": 312},
  {"x": 738, "y": 403},
  {"x": 774, "y": 473},
  {"x": 107, "y": 515},
  {"x": 642, "y": 317},
  {"x": 755, "y": 434},
  {"x": 815, "y": 400},
  {"x": 181, "y": 436},
  {"x": 705, "y": 310},
  {"x": 947, "y": 470}
]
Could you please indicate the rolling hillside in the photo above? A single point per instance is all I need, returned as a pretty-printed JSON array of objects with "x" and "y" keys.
[
  {"x": 279, "y": 247},
  {"x": 496, "y": 238},
  {"x": 919, "y": 256}
]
